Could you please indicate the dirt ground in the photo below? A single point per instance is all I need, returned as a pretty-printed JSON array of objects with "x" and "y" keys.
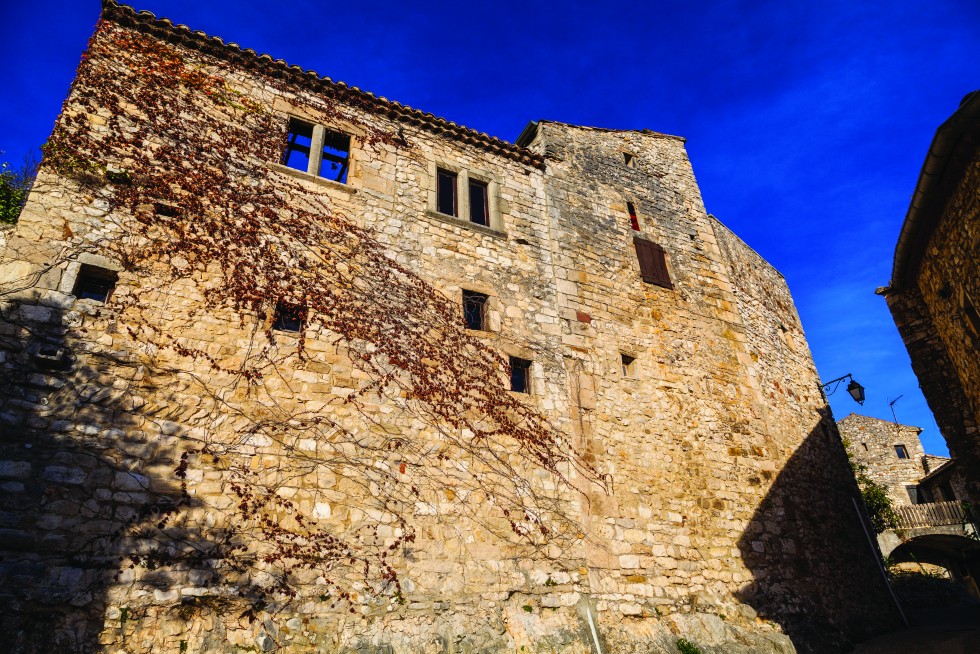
[{"x": 945, "y": 631}]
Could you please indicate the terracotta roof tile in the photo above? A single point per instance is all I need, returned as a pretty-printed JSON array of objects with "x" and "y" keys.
[{"x": 164, "y": 28}]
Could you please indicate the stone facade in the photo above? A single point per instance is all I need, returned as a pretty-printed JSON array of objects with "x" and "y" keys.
[
  {"x": 674, "y": 450},
  {"x": 936, "y": 281},
  {"x": 892, "y": 453}
]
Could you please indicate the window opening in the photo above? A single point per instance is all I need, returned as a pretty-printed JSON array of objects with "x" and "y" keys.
[
  {"x": 298, "y": 145},
  {"x": 865, "y": 446},
  {"x": 628, "y": 364},
  {"x": 94, "y": 283},
  {"x": 288, "y": 317},
  {"x": 901, "y": 452},
  {"x": 474, "y": 309},
  {"x": 520, "y": 375},
  {"x": 914, "y": 495},
  {"x": 479, "y": 203},
  {"x": 653, "y": 263},
  {"x": 628, "y": 158},
  {"x": 446, "y": 192},
  {"x": 634, "y": 221},
  {"x": 335, "y": 160}
]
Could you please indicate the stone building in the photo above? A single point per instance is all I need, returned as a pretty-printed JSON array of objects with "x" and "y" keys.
[
  {"x": 893, "y": 457},
  {"x": 933, "y": 294},
  {"x": 293, "y": 367},
  {"x": 892, "y": 454}
]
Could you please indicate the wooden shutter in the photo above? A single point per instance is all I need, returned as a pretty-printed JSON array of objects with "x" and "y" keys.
[{"x": 653, "y": 263}]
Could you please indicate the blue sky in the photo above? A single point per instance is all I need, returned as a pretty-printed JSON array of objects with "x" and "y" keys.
[{"x": 807, "y": 123}]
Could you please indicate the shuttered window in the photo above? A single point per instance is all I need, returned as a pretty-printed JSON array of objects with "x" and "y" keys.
[{"x": 653, "y": 263}]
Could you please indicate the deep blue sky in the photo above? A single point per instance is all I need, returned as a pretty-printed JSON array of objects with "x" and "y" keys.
[{"x": 807, "y": 122}]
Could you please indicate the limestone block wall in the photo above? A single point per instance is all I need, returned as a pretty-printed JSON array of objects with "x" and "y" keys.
[
  {"x": 873, "y": 442},
  {"x": 722, "y": 391},
  {"x": 168, "y": 455}
]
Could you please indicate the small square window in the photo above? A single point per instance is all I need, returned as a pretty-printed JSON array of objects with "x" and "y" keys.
[
  {"x": 520, "y": 375},
  {"x": 479, "y": 203},
  {"x": 446, "y": 193},
  {"x": 474, "y": 309},
  {"x": 901, "y": 452},
  {"x": 288, "y": 317},
  {"x": 634, "y": 220},
  {"x": 628, "y": 364},
  {"x": 94, "y": 283}
]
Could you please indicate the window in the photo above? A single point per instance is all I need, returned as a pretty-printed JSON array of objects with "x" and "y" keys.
[
  {"x": 465, "y": 195},
  {"x": 479, "y": 203},
  {"x": 865, "y": 446},
  {"x": 914, "y": 495},
  {"x": 628, "y": 364},
  {"x": 446, "y": 193},
  {"x": 653, "y": 263},
  {"x": 94, "y": 283},
  {"x": 634, "y": 221},
  {"x": 316, "y": 150},
  {"x": 474, "y": 309},
  {"x": 520, "y": 375},
  {"x": 288, "y": 317},
  {"x": 628, "y": 159},
  {"x": 901, "y": 452}
]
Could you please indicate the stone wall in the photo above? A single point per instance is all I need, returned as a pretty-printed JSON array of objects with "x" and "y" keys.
[
  {"x": 872, "y": 442},
  {"x": 933, "y": 315},
  {"x": 699, "y": 492}
]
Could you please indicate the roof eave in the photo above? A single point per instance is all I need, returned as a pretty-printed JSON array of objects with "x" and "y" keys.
[{"x": 928, "y": 200}]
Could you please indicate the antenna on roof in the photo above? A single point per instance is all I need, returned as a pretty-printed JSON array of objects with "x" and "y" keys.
[{"x": 891, "y": 403}]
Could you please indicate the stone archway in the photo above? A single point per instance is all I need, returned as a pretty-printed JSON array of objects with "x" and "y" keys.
[{"x": 957, "y": 552}]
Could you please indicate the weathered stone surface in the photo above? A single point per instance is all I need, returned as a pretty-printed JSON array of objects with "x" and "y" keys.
[{"x": 720, "y": 509}]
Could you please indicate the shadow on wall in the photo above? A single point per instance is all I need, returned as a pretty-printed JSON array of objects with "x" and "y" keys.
[
  {"x": 76, "y": 499},
  {"x": 815, "y": 572}
]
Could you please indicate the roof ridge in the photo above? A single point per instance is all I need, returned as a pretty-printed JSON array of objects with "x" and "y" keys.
[{"x": 146, "y": 21}]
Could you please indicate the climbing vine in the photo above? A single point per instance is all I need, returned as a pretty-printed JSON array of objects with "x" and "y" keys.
[{"x": 180, "y": 154}]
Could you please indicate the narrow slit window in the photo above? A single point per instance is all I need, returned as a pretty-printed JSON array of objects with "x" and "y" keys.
[
  {"x": 94, "y": 283},
  {"x": 901, "y": 452},
  {"x": 335, "y": 160},
  {"x": 865, "y": 446},
  {"x": 479, "y": 203},
  {"x": 520, "y": 375},
  {"x": 299, "y": 141},
  {"x": 634, "y": 220},
  {"x": 474, "y": 310},
  {"x": 446, "y": 193},
  {"x": 288, "y": 317},
  {"x": 628, "y": 364},
  {"x": 653, "y": 263}
]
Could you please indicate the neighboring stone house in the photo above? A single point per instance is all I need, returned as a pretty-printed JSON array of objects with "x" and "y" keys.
[
  {"x": 892, "y": 454},
  {"x": 934, "y": 295},
  {"x": 292, "y": 367},
  {"x": 893, "y": 457}
]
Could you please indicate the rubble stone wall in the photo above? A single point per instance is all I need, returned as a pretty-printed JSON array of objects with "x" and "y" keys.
[
  {"x": 872, "y": 442},
  {"x": 718, "y": 506}
]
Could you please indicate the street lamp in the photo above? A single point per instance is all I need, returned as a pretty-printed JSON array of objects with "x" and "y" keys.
[{"x": 855, "y": 389}]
